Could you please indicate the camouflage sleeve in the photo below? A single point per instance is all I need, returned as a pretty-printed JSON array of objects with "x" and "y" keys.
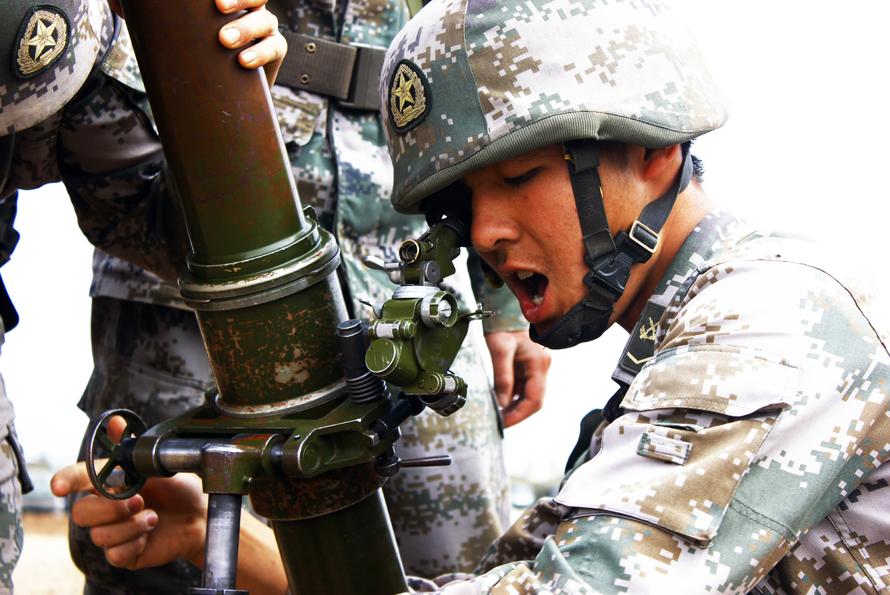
[
  {"x": 113, "y": 168},
  {"x": 762, "y": 413},
  {"x": 508, "y": 316}
]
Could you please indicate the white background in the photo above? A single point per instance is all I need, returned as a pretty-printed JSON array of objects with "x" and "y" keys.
[{"x": 804, "y": 149}]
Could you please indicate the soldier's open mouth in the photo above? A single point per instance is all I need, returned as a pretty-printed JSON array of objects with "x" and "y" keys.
[
  {"x": 531, "y": 289},
  {"x": 534, "y": 284}
]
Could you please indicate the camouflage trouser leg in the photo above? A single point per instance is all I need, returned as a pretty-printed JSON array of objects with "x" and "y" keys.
[
  {"x": 149, "y": 359},
  {"x": 10, "y": 516},
  {"x": 445, "y": 517}
]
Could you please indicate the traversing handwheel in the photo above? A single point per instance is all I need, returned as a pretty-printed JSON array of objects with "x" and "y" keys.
[{"x": 102, "y": 449}]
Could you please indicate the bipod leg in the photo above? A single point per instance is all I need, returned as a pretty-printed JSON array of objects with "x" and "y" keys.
[{"x": 221, "y": 547}]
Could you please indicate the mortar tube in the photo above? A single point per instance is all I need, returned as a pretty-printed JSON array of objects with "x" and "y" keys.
[{"x": 261, "y": 275}]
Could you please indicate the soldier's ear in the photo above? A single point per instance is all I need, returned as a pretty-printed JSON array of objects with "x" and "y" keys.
[{"x": 660, "y": 164}]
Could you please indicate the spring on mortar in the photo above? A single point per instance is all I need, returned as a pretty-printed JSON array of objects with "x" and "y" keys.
[{"x": 363, "y": 386}]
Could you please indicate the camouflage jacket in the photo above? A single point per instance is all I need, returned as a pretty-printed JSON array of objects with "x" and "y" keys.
[
  {"x": 103, "y": 146},
  {"x": 748, "y": 454}
]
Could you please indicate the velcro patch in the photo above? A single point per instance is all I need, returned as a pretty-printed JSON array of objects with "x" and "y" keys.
[{"x": 662, "y": 448}]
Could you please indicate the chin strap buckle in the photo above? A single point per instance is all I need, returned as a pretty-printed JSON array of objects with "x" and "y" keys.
[{"x": 644, "y": 236}]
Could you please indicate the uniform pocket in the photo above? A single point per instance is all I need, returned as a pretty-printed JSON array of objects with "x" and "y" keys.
[
  {"x": 694, "y": 422},
  {"x": 298, "y": 113}
]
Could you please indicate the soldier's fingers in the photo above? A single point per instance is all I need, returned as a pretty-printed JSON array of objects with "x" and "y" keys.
[
  {"x": 519, "y": 410},
  {"x": 114, "y": 534},
  {"x": 269, "y": 53},
  {"x": 126, "y": 555},
  {"x": 116, "y": 427},
  {"x": 92, "y": 511},
  {"x": 252, "y": 26},
  {"x": 71, "y": 480},
  {"x": 502, "y": 351},
  {"x": 531, "y": 397},
  {"x": 230, "y": 6}
]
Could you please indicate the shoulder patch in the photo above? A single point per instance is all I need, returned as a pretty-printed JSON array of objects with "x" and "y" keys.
[
  {"x": 42, "y": 39},
  {"x": 409, "y": 96}
]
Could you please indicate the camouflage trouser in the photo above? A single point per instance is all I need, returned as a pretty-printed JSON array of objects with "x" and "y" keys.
[
  {"x": 150, "y": 359},
  {"x": 444, "y": 518},
  {"x": 10, "y": 515}
]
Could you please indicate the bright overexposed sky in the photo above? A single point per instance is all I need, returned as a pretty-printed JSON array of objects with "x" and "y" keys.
[{"x": 804, "y": 149}]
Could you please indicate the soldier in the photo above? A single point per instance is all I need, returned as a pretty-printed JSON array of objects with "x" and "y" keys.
[
  {"x": 53, "y": 61},
  {"x": 746, "y": 448},
  {"x": 148, "y": 352}
]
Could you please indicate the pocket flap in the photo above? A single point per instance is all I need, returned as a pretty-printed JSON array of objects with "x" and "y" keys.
[
  {"x": 689, "y": 435},
  {"x": 720, "y": 379},
  {"x": 299, "y": 113}
]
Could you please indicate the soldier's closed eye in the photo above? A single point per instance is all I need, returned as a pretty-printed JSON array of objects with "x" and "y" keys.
[{"x": 521, "y": 178}]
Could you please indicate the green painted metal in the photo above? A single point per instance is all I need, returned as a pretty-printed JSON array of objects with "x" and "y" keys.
[
  {"x": 348, "y": 540},
  {"x": 421, "y": 328},
  {"x": 261, "y": 275}
]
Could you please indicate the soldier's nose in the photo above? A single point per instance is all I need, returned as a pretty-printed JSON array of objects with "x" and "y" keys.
[{"x": 492, "y": 224}]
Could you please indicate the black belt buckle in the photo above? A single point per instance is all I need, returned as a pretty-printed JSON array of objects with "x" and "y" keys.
[{"x": 365, "y": 78}]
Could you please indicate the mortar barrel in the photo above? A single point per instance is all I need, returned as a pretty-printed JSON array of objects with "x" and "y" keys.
[{"x": 260, "y": 274}]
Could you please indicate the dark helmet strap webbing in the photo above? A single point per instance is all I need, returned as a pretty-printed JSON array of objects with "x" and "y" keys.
[
  {"x": 583, "y": 161},
  {"x": 587, "y": 188},
  {"x": 611, "y": 270}
]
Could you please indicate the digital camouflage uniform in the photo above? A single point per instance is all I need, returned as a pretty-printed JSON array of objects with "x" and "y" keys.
[
  {"x": 149, "y": 357},
  {"x": 749, "y": 452},
  {"x": 746, "y": 448},
  {"x": 47, "y": 51}
]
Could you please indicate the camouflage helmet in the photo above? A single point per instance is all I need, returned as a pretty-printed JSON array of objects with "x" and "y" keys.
[
  {"x": 468, "y": 83},
  {"x": 48, "y": 48}
]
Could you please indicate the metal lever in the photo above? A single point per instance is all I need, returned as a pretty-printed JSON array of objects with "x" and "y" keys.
[
  {"x": 389, "y": 463},
  {"x": 434, "y": 461},
  {"x": 393, "y": 270}
]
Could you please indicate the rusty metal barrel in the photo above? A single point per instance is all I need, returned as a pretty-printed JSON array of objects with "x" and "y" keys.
[{"x": 261, "y": 274}]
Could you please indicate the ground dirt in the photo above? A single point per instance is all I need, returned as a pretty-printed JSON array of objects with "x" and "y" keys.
[{"x": 45, "y": 567}]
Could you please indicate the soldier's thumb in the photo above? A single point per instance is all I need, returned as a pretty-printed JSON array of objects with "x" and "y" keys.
[{"x": 70, "y": 480}]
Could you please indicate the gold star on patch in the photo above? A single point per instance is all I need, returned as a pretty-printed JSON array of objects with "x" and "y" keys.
[
  {"x": 408, "y": 96},
  {"x": 403, "y": 92},
  {"x": 42, "y": 41}
]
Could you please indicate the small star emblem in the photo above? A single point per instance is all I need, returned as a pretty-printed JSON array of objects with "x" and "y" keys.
[
  {"x": 409, "y": 100},
  {"x": 404, "y": 91},
  {"x": 43, "y": 39}
]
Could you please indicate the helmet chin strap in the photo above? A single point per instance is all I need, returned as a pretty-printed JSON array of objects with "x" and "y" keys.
[{"x": 609, "y": 260}]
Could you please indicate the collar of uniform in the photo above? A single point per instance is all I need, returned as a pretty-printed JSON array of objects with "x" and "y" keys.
[{"x": 715, "y": 232}]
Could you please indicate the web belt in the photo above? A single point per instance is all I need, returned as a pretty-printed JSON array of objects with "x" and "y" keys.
[{"x": 347, "y": 72}]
